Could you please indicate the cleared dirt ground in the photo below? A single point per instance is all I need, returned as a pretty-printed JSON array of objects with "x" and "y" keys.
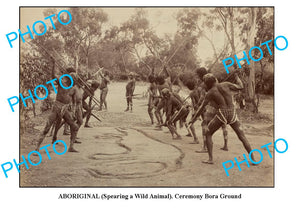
[{"x": 126, "y": 150}]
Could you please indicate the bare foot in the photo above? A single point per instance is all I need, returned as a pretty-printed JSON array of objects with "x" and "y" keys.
[
  {"x": 224, "y": 148},
  {"x": 72, "y": 150},
  {"x": 57, "y": 144},
  {"x": 177, "y": 138},
  {"x": 201, "y": 151},
  {"x": 208, "y": 161},
  {"x": 35, "y": 154},
  {"x": 253, "y": 164},
  {"x": 189, "y": 135},
  {"x": 76, "y": 141},
  {"x": 158, "y": 128},
  {"x": 195, "y": 142}
]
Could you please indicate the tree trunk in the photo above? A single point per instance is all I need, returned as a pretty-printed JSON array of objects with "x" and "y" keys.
[
  {"x": 33, "y": 110},
  {"x": 252, "y": 105},
  {"x": 262, "y": 67},
  {"x": 87, "y": 61},
  {"x": 76, "y": 60},
  {"x": 123, "y": 60},
  {"x": 230, "y": 11}
]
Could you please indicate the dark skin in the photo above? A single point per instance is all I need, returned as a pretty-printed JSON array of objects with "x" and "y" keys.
[
  {"x": 152, "y": 95},
  {"x": 160, "y": 104},
  {"x": 225, "y": 133},
  {"x": 64, "y": 96},
  {"x": 220, "y": 93},
  {"x": 103, "y": 98},
  {"x": 88, "y": 107},
  {"x": 76, "y": 96},
  {"x": 194, "y": 95},
  {"x": 172, "y": 104},
  {"x": 200, "y": 91},
  {"x": 129, "y": 92}
]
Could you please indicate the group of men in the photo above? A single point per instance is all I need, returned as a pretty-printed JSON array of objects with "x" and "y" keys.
[
  {"x": 69, "y": 107},
  {"x": 210, "y": 100}
]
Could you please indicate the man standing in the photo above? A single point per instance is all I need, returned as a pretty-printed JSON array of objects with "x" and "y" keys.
[
  {"x": 89, "y": 92},
  {"x": 76, "y": 111},
  {"x": 61, "y": 109},
  {"x": 160, "y": 103},
  {"x": 209, "y": 112},
  {"x": 153, "y": 98},
  {"x": 220, "y": 93},
  {"x": 129, "y": 91},
  {"x": 173, "y": 105},
  {"x": 103, "y": 89}
]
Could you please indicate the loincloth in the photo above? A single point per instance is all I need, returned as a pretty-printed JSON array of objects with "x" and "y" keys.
[
  {"x": 227, "y": 116},
  {"x": 61, "y": 108}
]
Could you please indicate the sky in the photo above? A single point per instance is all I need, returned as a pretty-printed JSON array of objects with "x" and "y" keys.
[{"x": 162, "y": 20}]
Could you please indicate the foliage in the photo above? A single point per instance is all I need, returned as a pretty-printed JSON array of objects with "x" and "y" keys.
[
  {"x": 90, "y": 42},
  {"x": 34, "y": 71}
]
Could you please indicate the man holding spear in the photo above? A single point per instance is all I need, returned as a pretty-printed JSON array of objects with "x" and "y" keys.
[
  {"x": 129, "y": 91},
  {"x": 209, "y": 112},
  {"x": 61, "y": 109},
  {"x": 88, "y": 107},
  {"x": 220, "y": 93}
]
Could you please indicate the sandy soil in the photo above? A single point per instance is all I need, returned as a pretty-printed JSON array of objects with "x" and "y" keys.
[{"x": 126, "y": 150}]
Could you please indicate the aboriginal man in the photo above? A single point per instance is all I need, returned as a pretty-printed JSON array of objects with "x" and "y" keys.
[
  {"x": 130, "y": 86},
  {"x": 220, "y": 93},
  {"x": 209, "y": 112},
  {"x": 61, "y": 109},
  {"x": 89, "y": 92}
]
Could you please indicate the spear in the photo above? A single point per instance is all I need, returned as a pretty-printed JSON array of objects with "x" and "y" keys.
[
  {"x": 78, "y": 77},
  {"x": 81, "y": 81},
  {"x": 92, "y": 114},
  {"x": 165, "y": 62},
  {"x": 179, "y": 111}
]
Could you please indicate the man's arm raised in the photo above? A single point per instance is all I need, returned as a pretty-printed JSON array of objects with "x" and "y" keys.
[
  {"x": 238, "y": 85},
  {"x": 98, "y": 73}
]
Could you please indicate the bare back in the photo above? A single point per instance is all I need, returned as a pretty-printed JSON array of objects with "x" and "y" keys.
[{"x": 221, "y": 94}]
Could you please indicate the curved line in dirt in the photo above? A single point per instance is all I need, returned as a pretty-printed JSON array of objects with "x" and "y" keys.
[
  {"x": 178, "y": 161},
  {"x": 98, "y": 174},
  {"x": 122, "y": 130},
  {"x": 119, "y": 143}
]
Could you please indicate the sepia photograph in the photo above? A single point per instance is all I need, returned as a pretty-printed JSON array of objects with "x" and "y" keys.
[{"x": 146, "y": 96}]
